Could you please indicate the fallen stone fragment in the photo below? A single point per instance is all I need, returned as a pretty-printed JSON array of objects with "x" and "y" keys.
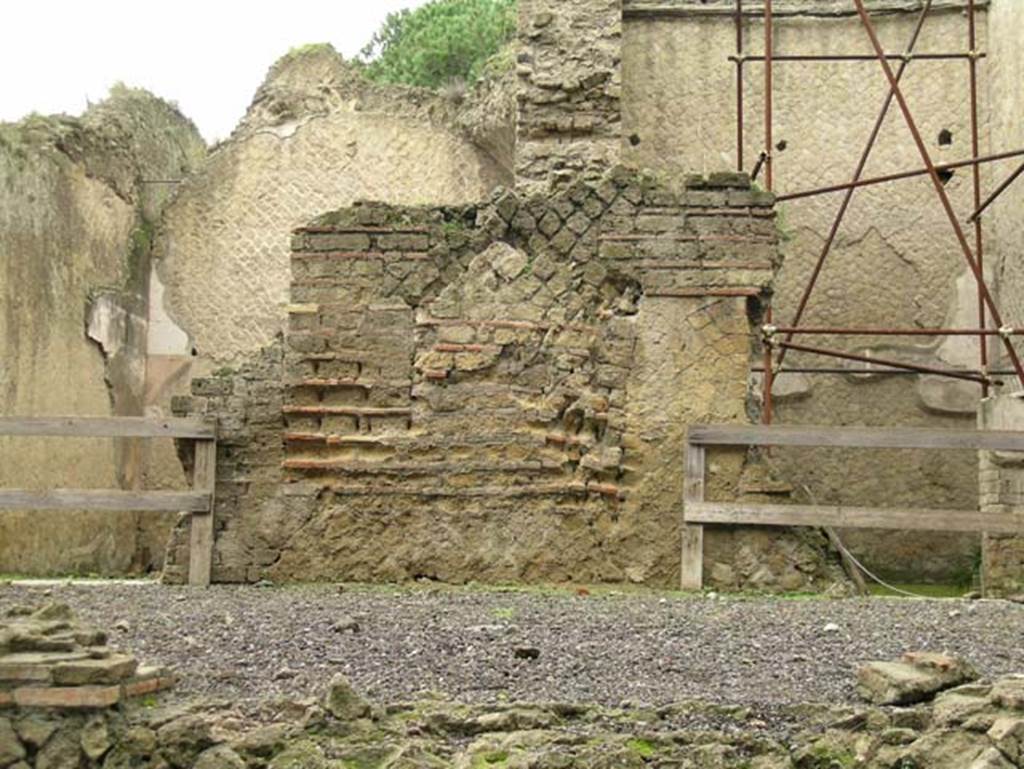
[
  {"x": 95, "y": 738},
  {"x": 1008, "y": 736},
  {"x": 11, "y": 749},
  {"x": 111, "y": 670},
  {"x": 34, "y": 666},
  {"x": 219, "y": 757},
  {"x": 917, "y": 678},
  {"x": 346, "y": 624},
  {"x": 53, "y": 611},
  {"x": 183, "y": 739},
  {"x": 1009, "y": 693},
  {"x": 35, "y": 731},
  {"x": 991, "y": 759},
  {"x": 343, "y": 702},
  {"x": 953, "y": 708}
]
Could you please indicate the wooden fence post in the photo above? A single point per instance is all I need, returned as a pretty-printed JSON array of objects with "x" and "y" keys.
[
  {"x": 204, "y": 479},
  {"x": 692, "y": 557}
]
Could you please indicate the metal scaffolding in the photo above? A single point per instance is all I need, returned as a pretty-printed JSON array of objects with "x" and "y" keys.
[{"x": 778, "y": 340}]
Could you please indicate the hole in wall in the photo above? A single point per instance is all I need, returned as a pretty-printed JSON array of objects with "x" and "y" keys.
[
  {"x": 946, "y": 174},
  {"x": 782, "y": 145},
  {"x": 634, "y": 139},
  {"x": 945, "y": 137}
]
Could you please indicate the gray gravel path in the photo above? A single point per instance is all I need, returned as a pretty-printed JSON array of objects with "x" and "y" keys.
[{"x": 249, "y": 644}]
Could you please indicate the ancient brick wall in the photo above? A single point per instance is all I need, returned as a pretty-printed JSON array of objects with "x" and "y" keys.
[
  {"x": 570, "y": 80},
  {"x": 498, "y": 392},
  {"x": 1001, "y": 482}
]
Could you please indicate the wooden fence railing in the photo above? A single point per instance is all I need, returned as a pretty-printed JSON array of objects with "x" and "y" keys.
[
  {"x": 198, "y": 501},
  {"x": 697, "y": 511}
]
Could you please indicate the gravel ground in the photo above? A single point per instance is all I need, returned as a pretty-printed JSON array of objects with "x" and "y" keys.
[{"x": 250, "y": 645}]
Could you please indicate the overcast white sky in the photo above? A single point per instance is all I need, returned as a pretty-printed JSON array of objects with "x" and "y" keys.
[{"x": 209, "y": 56}]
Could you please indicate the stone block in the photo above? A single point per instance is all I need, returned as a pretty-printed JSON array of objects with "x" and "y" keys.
[
  {"x": 403, "y": 242},
  {"x": 1008, "y": 735},
  {"x": 917, "y": 678},
  {"x": 148, "y": 680},
  {"x": 343, "y": 702},
  {"x": 111, "y": 670},
  {"x": 78, "y": 697},
  {"x": 34, "y": 666},
  {"x": 11, "y": 749},
  {"x": 1009, "y": 693},
  {"x": 340, "y": 241}
]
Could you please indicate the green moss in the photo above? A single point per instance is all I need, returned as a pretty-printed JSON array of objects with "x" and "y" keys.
[
  {"x": 139, "y": 250},
  {"x": 642, "y": 748},
  {"x": 493, "y": 758},
  {"x": 825, "y": 756},
  {"x": 505, "y": 613}
]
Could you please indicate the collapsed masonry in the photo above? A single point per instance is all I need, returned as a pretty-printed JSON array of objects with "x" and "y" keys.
[
  {"x": 48, "y": 661},
  {"x": 500, "y": 392}
]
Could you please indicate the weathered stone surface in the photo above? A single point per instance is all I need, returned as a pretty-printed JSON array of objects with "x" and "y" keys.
[
  {"x": 95, "y": 739},
  {"x": 1001, "y": 490},
  {"x": 67, "y": 696},
  {"x": 11, "y": 749},
  {"x": 1009, "y": 693},
  {"x": 991, "y": 759},
  {"x": 35, "y": 730},
  {"x": 301, "y": 755},
  {"x": 917, "y": 678},
  {"x": 343, "y": 702},
  {"x": 34, "y": 666},
  {"x": 75, "y": 248},
  {"x": 183, "y": 739},
  {"x": 62, "y": 750},
  {"x": 111, "y": 670},
  {"x": 954, "y": 708},
  {"x": 1008, "y": 736},
  {"x": 219, "y": 757}
]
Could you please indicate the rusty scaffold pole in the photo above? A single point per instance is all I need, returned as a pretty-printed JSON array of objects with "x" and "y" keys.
[
  {"x": 969, "y": 256},
  {"x": 895, "y": 177},
  {"x": 871, "y": 360},
  {"x": 979, "y": 238},
  {"x": 739, "y": 59},
  {"x": 769, "y": 176},
  {"x": 857, "y": 174}
]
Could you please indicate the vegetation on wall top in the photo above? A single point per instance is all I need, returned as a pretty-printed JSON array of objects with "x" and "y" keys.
[{"x": 441, "y": 43}]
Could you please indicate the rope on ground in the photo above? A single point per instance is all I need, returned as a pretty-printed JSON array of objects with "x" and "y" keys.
[{"x": 867, "y": 572}]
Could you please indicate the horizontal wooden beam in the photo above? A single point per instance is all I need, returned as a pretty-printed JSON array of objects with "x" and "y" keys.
[
  {"x": 109, "y": 427},
  {"x": 855, "y": 437},
  {"x": 82, "y": 499},
  {"x": 852, "y": 517}
]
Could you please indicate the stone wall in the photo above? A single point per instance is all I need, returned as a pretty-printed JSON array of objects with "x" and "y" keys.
[
  {"x": 1006, "y": 19},
  {"x": 76, "y": 221},
  {"x": 499, "y": 392},
  {"x": 1001, "y": 476},
  {"x": 317, "y": 136},
  {"x": 895, "y": 259},
  {"x": 570, "y": 78}
]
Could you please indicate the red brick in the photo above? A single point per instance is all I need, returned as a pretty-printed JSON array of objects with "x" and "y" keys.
[{"x": 67, "y": 696}]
